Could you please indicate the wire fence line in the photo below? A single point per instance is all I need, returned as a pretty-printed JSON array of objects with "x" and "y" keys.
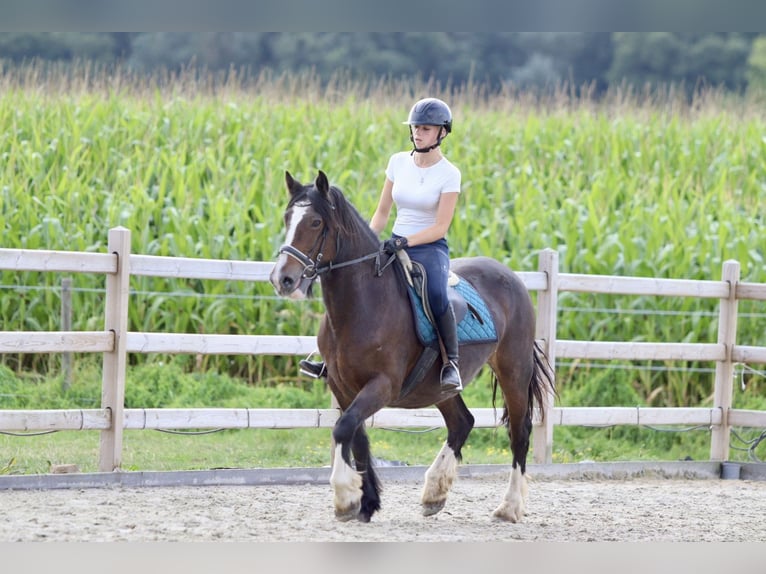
[{"x": 234, "y": 296}]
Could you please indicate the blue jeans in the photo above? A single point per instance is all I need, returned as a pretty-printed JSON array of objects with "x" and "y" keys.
[{"x": 435, "y": 259}]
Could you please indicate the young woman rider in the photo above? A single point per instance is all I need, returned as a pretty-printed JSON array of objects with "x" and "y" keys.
[{"x": 424, "y": 186}]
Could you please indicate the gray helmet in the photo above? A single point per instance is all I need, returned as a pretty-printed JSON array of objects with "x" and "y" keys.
[{"x": 430, "y": 112}]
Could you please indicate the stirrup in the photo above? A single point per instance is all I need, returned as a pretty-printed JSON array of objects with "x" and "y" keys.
[
  {"x": 313, "y": 369},
  {"x": 453, "y": 381}
]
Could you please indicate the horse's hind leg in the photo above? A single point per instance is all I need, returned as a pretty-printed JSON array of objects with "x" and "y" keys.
[
  {"x": 443, "y": 471},
  {"x": 513, "y": 506},
  {"x": 519, "y": 422}
]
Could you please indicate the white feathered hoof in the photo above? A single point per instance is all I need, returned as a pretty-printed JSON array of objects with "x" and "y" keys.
[
  {"x": 512, "y": 508},
  {"x": 439, "y": 479},
  {"x": 433, "y": 507},
  {"x": 509, "y": 512},
  {"x": 347, "y": 486},
  {"x": 349, "y": 512}
]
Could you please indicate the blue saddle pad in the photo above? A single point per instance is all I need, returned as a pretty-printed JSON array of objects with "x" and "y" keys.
[{"x": 476, "y": 326}]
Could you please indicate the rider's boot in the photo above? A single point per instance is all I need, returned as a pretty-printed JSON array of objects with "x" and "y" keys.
[
  {"x": 450, "y": 373},
  {"x": 313, "y": 369}
]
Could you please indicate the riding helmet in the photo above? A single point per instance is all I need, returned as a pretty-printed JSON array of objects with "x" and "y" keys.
[{"x": 430, "y": 112}]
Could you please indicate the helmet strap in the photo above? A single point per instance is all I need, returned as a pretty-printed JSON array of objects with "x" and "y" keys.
[{"x": 425, "y": 149}]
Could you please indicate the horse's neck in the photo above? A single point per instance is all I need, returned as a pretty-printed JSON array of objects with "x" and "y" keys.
[{"x": 357, "y": 292}]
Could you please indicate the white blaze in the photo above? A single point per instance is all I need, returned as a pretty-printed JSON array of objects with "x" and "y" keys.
[{"x": 299, "y": 212}]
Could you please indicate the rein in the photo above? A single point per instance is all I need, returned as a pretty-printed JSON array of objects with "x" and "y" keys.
[{"x": 312, "y": 269}]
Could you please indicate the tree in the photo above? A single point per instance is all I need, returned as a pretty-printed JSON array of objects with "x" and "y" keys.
[
  {"x": 692, "y": 59},
  {"x": 641, "y": 59},
  {"x": 756, "y": 65},
  {"x": 577, "y": 58},
  {"x": 716, "y": 59},
  {"x": 21, "y": 46},
  {"x": 531, "y": 60}
]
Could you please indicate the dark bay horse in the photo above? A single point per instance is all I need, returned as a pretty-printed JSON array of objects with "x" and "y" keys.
[{"x": 369, "y": 343}]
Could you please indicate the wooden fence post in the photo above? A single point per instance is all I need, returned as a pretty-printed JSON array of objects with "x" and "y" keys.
[
  {"x": 115, "y": 361},
  {"x": 547, "y": 310},
  {"x": 66, "y": 325},
  {"x": 724, "y": 370}
]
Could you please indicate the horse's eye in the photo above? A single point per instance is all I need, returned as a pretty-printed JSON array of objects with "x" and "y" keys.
[{"x": 316, "y": 223}]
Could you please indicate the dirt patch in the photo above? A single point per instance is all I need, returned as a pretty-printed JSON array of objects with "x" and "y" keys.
[{"x": 637, "y": 509}]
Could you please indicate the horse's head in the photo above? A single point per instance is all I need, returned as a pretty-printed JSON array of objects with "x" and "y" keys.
[{"x": 311, "y": 232}]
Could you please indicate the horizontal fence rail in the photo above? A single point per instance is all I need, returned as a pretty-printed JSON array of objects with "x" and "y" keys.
[
  {"x": 612, "y": 285},
  {"x": 62, "y": 261},
  {"x": 115, "y": 342},
  {"x": 58, "y": 342},
  {"x": 244, "y": 418}
]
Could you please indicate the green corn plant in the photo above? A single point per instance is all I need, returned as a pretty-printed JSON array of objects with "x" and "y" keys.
[{"x": 623, "y": 186}]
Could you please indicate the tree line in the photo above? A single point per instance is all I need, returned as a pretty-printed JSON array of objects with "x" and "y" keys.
[{"x": 735, "y": 61}]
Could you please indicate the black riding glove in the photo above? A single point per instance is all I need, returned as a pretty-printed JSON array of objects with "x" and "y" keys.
[{"x": 394, "y": 244}]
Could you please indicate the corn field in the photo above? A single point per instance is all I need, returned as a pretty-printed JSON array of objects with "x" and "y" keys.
[{"x": 648, "y": 185}]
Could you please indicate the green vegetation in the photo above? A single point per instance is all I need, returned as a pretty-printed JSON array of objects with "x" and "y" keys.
[
  {"x": 590, "y": 61},
  {"x": 642, "y": 186}
]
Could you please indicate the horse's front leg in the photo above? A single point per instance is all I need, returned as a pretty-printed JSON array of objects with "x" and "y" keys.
[
  {"x": 360, "y": 448},
  {"x": 346, "y": 485},
  {"x": 443, "y": 470},
  {"x": 439, "y": 478},
  {"x": 356, "y": 490}
]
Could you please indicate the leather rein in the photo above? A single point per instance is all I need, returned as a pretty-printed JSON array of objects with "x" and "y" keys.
[{"x": 312, "y": 268}]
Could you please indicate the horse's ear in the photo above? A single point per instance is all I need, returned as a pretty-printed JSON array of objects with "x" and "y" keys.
[
  {"x": 292, "y": 185},
  {"x": 322, "y": 183}
]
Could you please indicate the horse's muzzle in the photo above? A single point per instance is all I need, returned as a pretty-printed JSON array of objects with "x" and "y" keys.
[{"x": 288, "y": 280}]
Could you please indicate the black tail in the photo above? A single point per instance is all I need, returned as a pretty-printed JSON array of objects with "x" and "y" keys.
[{"x": 539, "y": 384}]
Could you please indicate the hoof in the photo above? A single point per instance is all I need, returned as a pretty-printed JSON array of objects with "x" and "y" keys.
[
  {"x": 507, "y": 513},
  {"x": 346, "y": 514},
  {"x": 431, "y": 508}
]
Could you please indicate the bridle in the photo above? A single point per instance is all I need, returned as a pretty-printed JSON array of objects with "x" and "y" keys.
[{"x": 312, "y": 268}]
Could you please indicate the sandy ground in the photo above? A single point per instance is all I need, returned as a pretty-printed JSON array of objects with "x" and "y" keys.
[{"x": 569, "y": 510}]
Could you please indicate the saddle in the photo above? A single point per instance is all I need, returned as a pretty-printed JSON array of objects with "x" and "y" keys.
[{"x": 474, "y": 321}]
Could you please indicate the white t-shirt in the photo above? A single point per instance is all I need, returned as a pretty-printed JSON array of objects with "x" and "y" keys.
[{"x": 417, "y": 190}]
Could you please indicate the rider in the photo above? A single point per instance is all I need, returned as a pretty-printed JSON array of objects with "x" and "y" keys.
[{"x": 425, "y": 186}]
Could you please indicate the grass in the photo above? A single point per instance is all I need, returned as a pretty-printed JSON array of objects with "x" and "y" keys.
[
  {"x": 154, "y": 450},
  {"x": 277, "y": 448}
]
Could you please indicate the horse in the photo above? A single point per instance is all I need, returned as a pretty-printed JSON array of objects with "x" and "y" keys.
[{"x": 368, "y": 340}]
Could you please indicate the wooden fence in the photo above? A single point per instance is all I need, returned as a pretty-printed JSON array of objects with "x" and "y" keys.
[{"x": 115, "y": 342}]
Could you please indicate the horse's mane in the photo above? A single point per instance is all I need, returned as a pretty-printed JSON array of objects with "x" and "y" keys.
[{"x": 342, "y": 216}]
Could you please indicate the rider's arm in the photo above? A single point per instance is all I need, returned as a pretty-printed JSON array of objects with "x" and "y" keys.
[
  {"x": 383, "y": 211},
  {"x": 444, "y": 214}
]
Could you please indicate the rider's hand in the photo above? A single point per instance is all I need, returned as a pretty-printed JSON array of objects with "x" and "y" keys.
[{"x": 394, "y": 244}]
